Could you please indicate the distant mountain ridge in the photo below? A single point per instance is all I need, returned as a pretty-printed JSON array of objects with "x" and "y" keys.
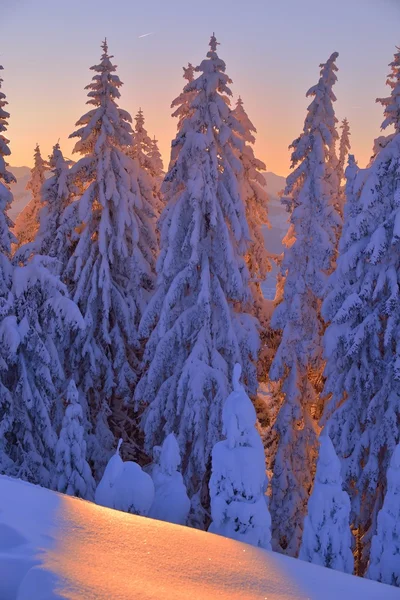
[{"x": 275, "y": 184}]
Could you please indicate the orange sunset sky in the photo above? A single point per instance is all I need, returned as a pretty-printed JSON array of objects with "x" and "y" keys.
[{"x": 272, "y": 51}]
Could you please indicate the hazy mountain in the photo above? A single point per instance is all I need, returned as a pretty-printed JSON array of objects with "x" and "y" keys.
[{"x": 21, "y": 195}]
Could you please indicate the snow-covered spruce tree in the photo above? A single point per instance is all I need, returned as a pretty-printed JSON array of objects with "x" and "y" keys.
[
  {"x": 141, "y": 145},
  {"x": 144, "y": 151},
  {"x": 238, "y": 481},
  {"x": 256, "y": 202},
  {"x": 362, "y": 342},
  {"x": 27, "y": 222},
  {"x": 6, "y": 239},
  {"x": 311, "y": 195},
  {"x": 171, "y": 502},
  {"x": 42, "y": 317},
  {"x": 73, "y": 475},
  {"x": 344, "y": 149},
  {"x": 195, "y": 330},
  {"x": 384, "y": 564},
  {"x": 111, "y": 269},
  {"x": 156, "y": 163},
  {"x": 56, "y": 195},
  {"x": 183, "y": 103},
  {"x": 327, "y": 540}
]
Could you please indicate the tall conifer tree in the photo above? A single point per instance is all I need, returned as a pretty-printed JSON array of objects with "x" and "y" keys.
[
  {"x": 111, "y": 269},
  {"x": 27, "y": 222},
  {"x": 362, "y": 341},
  {"x": 195, "y": 330},
  {"x": 311, "y": 195}
]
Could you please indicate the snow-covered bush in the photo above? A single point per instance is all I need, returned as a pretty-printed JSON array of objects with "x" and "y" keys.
[
  {"x": 105, "y": 491},
  {"x": 327, "y": 539},
  {"x": 238, "y": 482},
  {"x": 171, "y": 502},
  {"x": 384, "y": 562},
  {"x": 125, "y": 486}
]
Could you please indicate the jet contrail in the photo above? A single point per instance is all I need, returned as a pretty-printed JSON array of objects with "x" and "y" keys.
[{"x": 146, "y": 34}]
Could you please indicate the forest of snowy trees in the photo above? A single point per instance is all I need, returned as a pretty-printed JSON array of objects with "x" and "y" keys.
[{"x": 134, "y": 332}]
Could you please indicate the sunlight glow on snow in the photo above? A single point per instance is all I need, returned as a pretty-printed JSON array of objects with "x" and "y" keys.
[{"x": 101, "y": 546}]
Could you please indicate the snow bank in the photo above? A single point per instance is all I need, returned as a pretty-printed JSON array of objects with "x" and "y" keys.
[{"x": 88, "y": 551}]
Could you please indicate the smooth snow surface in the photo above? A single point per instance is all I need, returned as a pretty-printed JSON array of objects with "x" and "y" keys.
[{"x": 89, "y": 552}]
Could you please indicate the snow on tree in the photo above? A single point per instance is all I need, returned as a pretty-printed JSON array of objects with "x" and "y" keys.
[
  {"x": 73, "y": 474},
  {"x": 344, "y": 148},
  {"x": 327, "y": 540},
  {"x": 143, "y": 150},
  {"x": 256, "y": 202},
  {"x": 125, "y": 486},
  {"x": 56, "y": 195},
  {"x": 391, "y": 104},
  {"x": 384, "y": 564},
  {"x": 134, "y": 490},
  {"x": 111, "y": 269},
  {"x": 183, "y": 103},
  {"x": 311, "y": 195},
  {"x": 156, "y": 163},
  {"x": 104, "y": 494},
  {"x": 238, "y": 481},
  {"x": 27, "y": 222},
  {"x": 43, "y": 315},
  {"x": 141, "y": 145},
  {"x": 171, "y": 502},
  {"x": 6, "y": 239},
  {"x": 195, "y": 330},
  {"x": 361, "y": 343}
]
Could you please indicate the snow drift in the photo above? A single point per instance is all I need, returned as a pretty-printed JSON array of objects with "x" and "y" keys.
[{"x": 55, "y": 547}]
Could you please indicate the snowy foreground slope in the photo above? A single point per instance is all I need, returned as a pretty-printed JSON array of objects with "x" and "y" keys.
[{"x": 54, "y": 546}]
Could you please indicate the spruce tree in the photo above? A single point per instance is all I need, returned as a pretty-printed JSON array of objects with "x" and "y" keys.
[
  {"x": 311, "y": 195},
  {"x": 256, "y": 201},
  {"x": 73, "y": 475},
  {"x": 195, "y": 335},
  {"x": 327, "y": 539},
  {"x": 6, "y": 272},
  {"x": 361, "y": 342},
  {"x": 27, "y": 222},
  {"x": 111, "y": 268},
  {"x": 183, "y": 103},
  {"x": 384, "y": 564},
  {"x": 56, "y": 195},
  {"x": 344, "y": 149},
  {"x": 156, "y": 163},
  {"x": 145, "y": 152},
  {"x": 238, "y": 481},
  {"x": 42, "y": 317}
]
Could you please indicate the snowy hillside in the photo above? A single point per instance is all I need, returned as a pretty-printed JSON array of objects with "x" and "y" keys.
[{"x": 54, "y": 546}]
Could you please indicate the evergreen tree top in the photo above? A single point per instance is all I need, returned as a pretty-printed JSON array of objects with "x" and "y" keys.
[
  {"x": 5, "y": 175},
  {"x": 320, "y": 116},
  {"x": 106, "y": 122},
  {"x": 391, "y": 104}
]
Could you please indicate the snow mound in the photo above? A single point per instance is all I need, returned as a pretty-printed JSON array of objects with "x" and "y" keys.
[{"x": 77, "y": 550}]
